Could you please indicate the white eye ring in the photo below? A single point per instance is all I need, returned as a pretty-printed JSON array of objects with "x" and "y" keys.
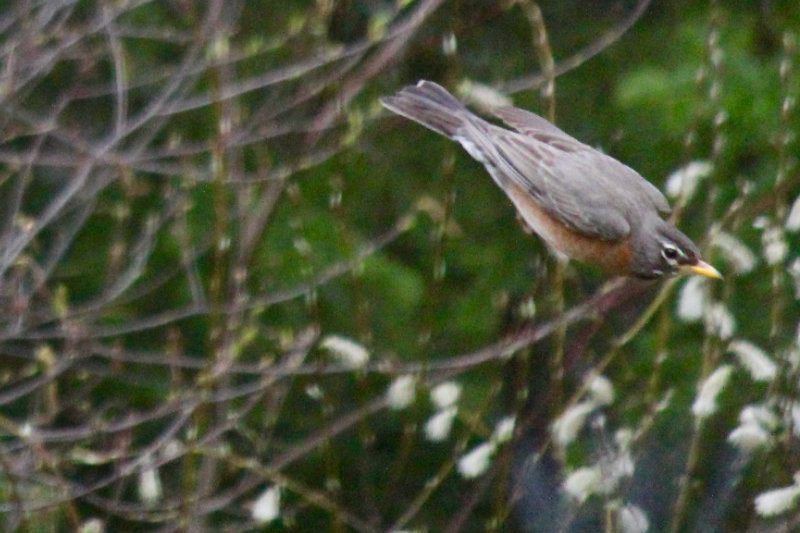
[{"x": 670, "y": 253}]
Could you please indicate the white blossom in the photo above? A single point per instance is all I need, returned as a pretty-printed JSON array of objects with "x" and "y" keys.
[
  {"x": 601, "y": 391},
  {"x": 756, "y": 423},
  {"x": 583, "y": 482},
  {"x": 475, "y": 462},
  {"x": 314, "y": 391},
  {"x": 777, "y": 501},
  {"x": 172, "y": 449},
  {"x": 774, "y": 242},
  {"x": 302, "y": 246},
  {"x": 150, "y": 489},
  {"x": 748, "y": 437},
  {"x": 483, "y": 96},
  {"x": 665, "y": 401},
  {"x": 615, "y": 466},
  {"x": 449, "y": 44},
  {"x": 761, "y": 222},
  {"x": 793, "y": 219},
  {"x": 793, "y": 358},
  {"x": 624, "y": 438},
  {"x": 504, "y": 430},
  {"x": 706, "y": 402},
  {"x": 567, "y": 426},
  {"x": 438, "y": 427},
  {"x": 618, "y": 464},
  {"x": 603, "y": 477},
  {"x": 26, "y": 430},
  {"x": 93, "y": 525},
  {"x": 268, "y": 506},
  {"x": 759, "y": 414},
  {"x": 753, "y": 358},
  {"x": 794, "y": 271},
  {"x": 683, "y": 182},
  {"x": 401, "y": 392},
  {"x": 347, "y": 351},
  {"x": 527, "y": 308},
  {"x": 632, "y": 519},
  {"x": 794, "y": 418},
  {"x": 719, "y": 321},
  {"x": 445, "y": 394},
  {"x": 741, "y": 258},
  {"x": 691, "y": 299}
]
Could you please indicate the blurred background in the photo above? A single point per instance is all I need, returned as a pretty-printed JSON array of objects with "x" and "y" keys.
[{"x": 237, "y": 295}]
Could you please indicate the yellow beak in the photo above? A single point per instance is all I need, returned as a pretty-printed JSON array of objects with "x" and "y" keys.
[{"x": 702, "y": 268}]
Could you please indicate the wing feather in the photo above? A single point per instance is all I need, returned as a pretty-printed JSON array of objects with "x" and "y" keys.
[
  {"x": 533, "y": 126},
  {"x": 564, "y": 187}
]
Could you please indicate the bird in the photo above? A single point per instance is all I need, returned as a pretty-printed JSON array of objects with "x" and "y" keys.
[{"x": 583, "y": 203}]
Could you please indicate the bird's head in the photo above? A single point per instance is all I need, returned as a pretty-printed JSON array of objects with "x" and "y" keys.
[{"x": 663, "y": 250}]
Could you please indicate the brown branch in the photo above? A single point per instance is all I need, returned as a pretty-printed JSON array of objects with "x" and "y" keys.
[{"x": 581, "y": 56}]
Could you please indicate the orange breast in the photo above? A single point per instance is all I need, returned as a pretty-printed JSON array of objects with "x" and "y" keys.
[{"x": 612, "y": 256}]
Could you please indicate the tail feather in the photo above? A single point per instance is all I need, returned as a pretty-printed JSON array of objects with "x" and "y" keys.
[{"x": 430, "y": 105}]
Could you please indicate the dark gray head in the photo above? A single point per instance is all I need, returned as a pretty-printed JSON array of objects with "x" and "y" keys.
[{"x": 660, "y": 249}]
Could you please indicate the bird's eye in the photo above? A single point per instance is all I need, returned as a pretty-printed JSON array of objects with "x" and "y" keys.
[{"x": 670, "y": 253}]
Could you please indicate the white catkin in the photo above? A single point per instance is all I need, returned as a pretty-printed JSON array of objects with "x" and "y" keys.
[
  {"x": 449, "y": 44},
  {"x": 794, "y": 271},
  {"x": 601, "y": 390},
  {"x": 756, "y": 424},
  {"x": 347, "y": 351},
  {"x": 150, "y": 488},
  {"x": 774, "y": 243},
  {"x": 483, "y": 96},
  {"x": 583, "y": 482},
  {"x": 691, "y": 299},
  {"x": 632, "y": 519},
  {"x": 268, "y": 506},
  {"x": 754, "y": 360},
  {"x": 401, "y": 392},
  {"x": 683, "y": 182},
  {"x": 504, "y": 429},
  {"x": 719, "y": 321},
  {"x": 314, "y": 391},
  {"x": 567, "y": 426},
  {"x": 438, "y": 427},
  {"x": 93, "y": 525},
  {"x": 740, "y": 257},
  {"x": 792, "y": 223},
  {"x": 706, "y": 402},
  {"x": 777, "y": 501},
  {"x": 759, "y": 414},
  {"x": 477, "y": 461},
  {"x": 748, "y": 437},
  {"x": 445, "y": 394},
  {"x": 794, "y": 417}
]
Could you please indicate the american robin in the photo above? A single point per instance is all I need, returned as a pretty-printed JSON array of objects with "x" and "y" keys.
[{"x": 583, "y": 203}]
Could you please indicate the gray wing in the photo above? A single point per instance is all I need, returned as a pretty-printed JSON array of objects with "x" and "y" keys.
[
  {"x": 526, "y": 122},
  {"x": 589, "y": 191},
  {"x": 540, "y": 129},
  {"x": 565, "y": 184}
]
